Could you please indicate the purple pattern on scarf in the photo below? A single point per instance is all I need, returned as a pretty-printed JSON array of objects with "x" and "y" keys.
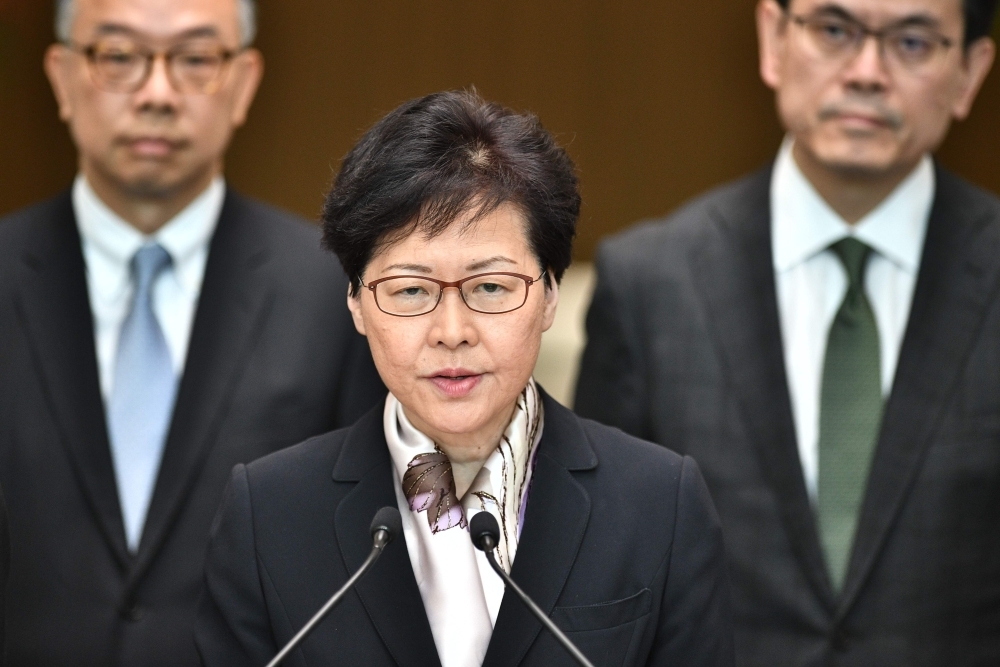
[{"x": 429, "y": 486}]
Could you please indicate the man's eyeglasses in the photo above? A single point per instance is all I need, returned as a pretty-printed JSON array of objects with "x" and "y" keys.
[
  {"x": 913, "y": 47},
  {"x": 491, "y": 293},
  {"x": 123, "y": 66}
]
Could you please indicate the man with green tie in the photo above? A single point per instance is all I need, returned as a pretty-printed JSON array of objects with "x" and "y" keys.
[{"x": 823, "y": 337}]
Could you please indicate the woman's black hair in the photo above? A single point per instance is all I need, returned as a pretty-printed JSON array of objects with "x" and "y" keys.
[{"x": 446, "y": 155}]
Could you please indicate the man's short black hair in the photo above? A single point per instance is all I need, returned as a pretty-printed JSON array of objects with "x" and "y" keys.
[
  {"x": 979, "y": 16},
  {"x": 443, "y": 156}
]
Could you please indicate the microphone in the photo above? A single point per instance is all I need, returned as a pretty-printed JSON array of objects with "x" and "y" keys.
[
  {"x": 386, "y": 525},
  {"x": 485, "y": 534}
]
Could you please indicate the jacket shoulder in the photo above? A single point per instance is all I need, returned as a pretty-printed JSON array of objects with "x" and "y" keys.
[
  {"x": 957, "y": 191},
  {"x": 617, "y": 458},
  {"x": 17, "y": 229},
  {"x": 631, "y": 458},
  {"x": 292, "y": 231},
  {"x": 292, "y": 242},
  {"x": 319, "y": 453},
  {"x": 649, "y": 240}
]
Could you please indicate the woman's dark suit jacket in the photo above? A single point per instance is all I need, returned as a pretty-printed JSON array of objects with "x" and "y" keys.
[{"x": 621, "y": 545}]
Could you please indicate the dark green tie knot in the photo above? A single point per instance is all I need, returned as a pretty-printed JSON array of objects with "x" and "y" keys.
[{"x": 853, "y": 255}]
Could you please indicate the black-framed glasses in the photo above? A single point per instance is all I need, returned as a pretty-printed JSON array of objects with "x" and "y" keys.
[
  {"x": 912, "y": 46},
  {"x": 490, "y": 293},
  {"x": 123, "y": 66}
]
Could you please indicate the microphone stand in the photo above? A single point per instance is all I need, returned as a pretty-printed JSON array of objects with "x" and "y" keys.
[
  {"x": 380, "y": 539},
  {"x": 488, "y": 544}
]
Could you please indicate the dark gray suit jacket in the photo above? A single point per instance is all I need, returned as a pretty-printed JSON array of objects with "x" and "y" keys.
[
  {"x": 685, "y": 349},
  {"x": 273, "y": 358},
  {"x": 621, "y": 545},
  {"x": 4, "y": 573}
]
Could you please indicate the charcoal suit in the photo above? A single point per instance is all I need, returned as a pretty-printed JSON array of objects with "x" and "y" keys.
[
  {"x": 685, "y": 349},
  {"x": 273, "y": 358}
]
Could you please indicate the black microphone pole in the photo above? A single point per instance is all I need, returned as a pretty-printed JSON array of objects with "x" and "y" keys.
[
  {"x": 485, "y": 533},
  {"x": 385, "y": 526}
]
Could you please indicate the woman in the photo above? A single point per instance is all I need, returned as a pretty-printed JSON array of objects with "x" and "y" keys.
[{"x": 454, "y": 219}]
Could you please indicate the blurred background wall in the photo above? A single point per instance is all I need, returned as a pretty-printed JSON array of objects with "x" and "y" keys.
[{"x": 655, "y": 101}]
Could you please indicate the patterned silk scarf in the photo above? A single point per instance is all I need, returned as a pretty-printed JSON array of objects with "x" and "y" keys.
[{"x": 461, "y": 594}]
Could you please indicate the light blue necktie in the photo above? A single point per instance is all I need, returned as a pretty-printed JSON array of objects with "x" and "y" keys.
[{"x": 142, "y": 398}]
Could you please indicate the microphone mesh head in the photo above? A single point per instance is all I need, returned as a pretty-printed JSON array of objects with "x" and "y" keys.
[
  {"x": 483, "y": 525},
  {"x": 387, "y": 519}
]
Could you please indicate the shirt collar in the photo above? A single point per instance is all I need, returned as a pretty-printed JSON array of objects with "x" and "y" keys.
[
  {"x": 803, "y": 224},
  {"x": 115, "y": 241}
]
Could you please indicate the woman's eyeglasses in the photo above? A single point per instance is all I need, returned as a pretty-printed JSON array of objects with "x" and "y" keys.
[{"x": 491, "y": 293}]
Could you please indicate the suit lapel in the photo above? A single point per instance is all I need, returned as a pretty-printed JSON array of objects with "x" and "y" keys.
[
  {"x": 55, "y": 307},
  {"x": 957, "y": 281},
  {"x": 389, "y": 593},
  {"x": 555, "y": 520},
  {"x": 231, "y": 310},
  {"x": 734, "y": 274}
]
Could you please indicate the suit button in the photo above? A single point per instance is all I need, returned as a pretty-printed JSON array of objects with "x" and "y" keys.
[
  {"x": 133, "y": 612},
  {"x": 841, "y": 641}
]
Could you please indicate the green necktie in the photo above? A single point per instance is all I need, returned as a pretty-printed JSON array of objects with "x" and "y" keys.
[{"x": 850, "y": 412}]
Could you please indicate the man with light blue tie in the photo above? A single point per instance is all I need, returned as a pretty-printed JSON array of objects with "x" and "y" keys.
[
  {"x": 142, "y": 400},
  {"x": 157, "y": 329}
]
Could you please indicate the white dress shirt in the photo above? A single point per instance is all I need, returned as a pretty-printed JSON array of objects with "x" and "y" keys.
[
  {"x": 460, "y": 600},
  {"x": 811, "y": 281},
  {"x": 460, "y": 591},
  {"x": 109, "y": 243}
]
